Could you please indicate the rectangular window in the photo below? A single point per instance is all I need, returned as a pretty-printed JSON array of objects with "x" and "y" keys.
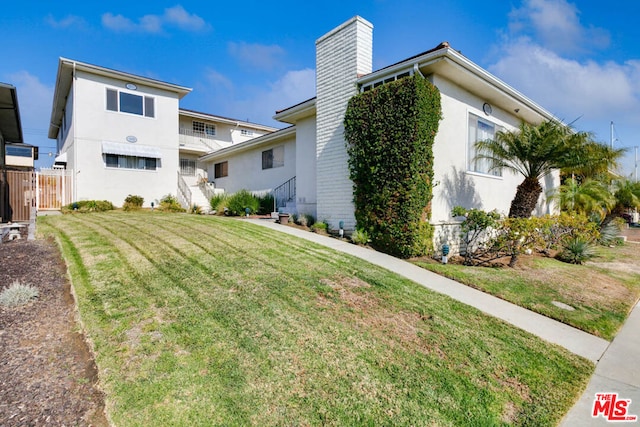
[
  {"x": 130, "y": 103},
  {"x": 246, "y": 132},
  {"x": 130, "y": 162},
  {"x": 221, "y": 169},
  {"x": 12, "y": 150},
  {"x": 188, "y": 167},
  {"x": 204, "y": 128},
  {"x": 480, "y": 130},
  {"x": 112, "y": 100},
  {"x": 273, "y": 158}
]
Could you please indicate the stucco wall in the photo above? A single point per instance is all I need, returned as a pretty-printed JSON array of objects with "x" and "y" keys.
[
  {"x": 94, "y": 124},
  {"x": 306, "y": 199},
  {"x": 455, "y": 184},
  {"x": 245, "y": 169}
]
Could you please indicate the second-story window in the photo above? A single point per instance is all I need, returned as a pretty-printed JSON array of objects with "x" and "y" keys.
[
  {"x": 204, "y": 128},
  {"x": 131, "y": 103}
]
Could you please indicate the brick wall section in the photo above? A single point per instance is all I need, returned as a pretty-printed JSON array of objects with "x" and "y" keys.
[{"x": 341, "y": 56}]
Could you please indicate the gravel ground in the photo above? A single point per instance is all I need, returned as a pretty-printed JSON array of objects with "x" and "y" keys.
[{"x": 47, "y": 373}]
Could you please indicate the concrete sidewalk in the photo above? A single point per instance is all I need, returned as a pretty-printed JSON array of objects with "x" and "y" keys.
[
  {"x": 618, "y": 371},
  {"x": 618, "y": 363}
]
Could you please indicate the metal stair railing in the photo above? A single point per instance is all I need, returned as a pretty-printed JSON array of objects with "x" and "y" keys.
[
  {"x": 184, "y": 193},
  {"x": 284, "y": 193}
]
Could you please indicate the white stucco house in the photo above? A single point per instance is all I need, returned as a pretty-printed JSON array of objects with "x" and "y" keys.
[
  {"x": 121, "y": 134},
  {"x": 124, "y": 134},
  {"x": 475, "y": 104}
]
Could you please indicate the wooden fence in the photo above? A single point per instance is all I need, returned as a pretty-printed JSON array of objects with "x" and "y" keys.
[
  {"x": 54, "y": 189},
  {"x": 22, "y": 194}
]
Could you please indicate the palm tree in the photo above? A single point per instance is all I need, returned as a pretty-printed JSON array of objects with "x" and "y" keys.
[
  {"x": 588, "y": 197},
  {"x": 534, "y": 151},
  {"x": 627, "y": 196}
]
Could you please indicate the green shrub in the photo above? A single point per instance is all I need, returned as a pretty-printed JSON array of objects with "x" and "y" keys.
[
  {"x": 266, "y": 204},
  {"x": 305, "y": 220},
  {"x": 390, "y": 132},
  {"x": 84, "y": 206},
  {"x": 241, "y": 200},
  {"x": 475, "y": 232},
  {"x": 18, "y": 294},
  {"x": 219, "y": 202},
  {"x": 320, "y": 227},
  {"x": 169, "y": 203},
  {"x": 610, "y": 232},
  {"x": 195, "y": 209},
  {"x": 132, "y": 203},
  {"x": 360, "y": 237},
  {"x": 577, "y": 250}
]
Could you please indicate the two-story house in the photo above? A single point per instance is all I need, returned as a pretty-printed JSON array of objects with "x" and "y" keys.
[{"x": 122, "y": 134}]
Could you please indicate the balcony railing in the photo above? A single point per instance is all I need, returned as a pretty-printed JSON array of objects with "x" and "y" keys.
[{"x": 197, "y": 140}]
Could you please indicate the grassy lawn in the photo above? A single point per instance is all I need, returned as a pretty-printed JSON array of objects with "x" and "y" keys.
[
  {"x": 214, "y": 321},
  {"x": 602, "y": 292}
]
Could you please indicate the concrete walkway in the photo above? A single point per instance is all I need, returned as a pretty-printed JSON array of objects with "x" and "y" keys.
[{"x": 618, "y": 363}]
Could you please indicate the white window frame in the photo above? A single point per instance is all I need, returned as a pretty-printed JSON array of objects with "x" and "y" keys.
[
  {"x": 203, "y": 128},
  {"x": 479, "y": 128},
  {"x": 148, "y": 108},
  {"x": 273, "y": 157}
]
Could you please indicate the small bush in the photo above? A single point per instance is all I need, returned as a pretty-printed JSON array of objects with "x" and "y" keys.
[
  {"x": 576, "y": 251},
  {"x": 305, "y": 220},
  {"x": 18, "y": 294},
  {"x": 169, "y": 203},
  {"x": 610, "y": 233},
  {"x": 360, "y": 237},
  {"x": 266, "y": 204},
  {"x": 84, "y": 206},
  {"x": 241, "y": 200},
  {"x": 320, "y": 227},
  {"x": 195, "y": 209},
  {"x": 219, "y": 202},
  {"x": 132, "y": 203}
]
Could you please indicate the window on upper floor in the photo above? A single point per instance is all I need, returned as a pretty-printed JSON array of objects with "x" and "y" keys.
[
  {"x": 221, "y": 169},
  {"x": 131, "y": 103},
  {"x": 204, "y": 128},
  {"x": 130, "y": 162},
  {"x": 246, "y": 132},
  {"x": 17, "y": 151},
  {"x": 480, "y": 130},
  {"x": 273, "y": 158}
]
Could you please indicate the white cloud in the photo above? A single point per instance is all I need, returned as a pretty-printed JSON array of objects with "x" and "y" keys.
[
  {"x": 264, "y": 57},
  {"x": 178, "y": 16},
  {"x": 175, "y": 16},
  {"x": 545, "y": 55},
  {"x": 567, "y": 87},
  {"x": 70, "y": 21},
  {"x": 118, "y": 23},
  {"x": 34, "y": 99},
  {"x": 556, "y": 23},
  {"x": 257, "y": 104},
  {"x": 218, "y": 81},
  {"x": 292, "y": 88}
]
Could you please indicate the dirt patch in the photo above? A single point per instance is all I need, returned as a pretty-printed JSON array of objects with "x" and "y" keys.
[{"x": 47, "y": 373}]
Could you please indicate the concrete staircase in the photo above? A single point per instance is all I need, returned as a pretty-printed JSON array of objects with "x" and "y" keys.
[{"x": 197, "y": 196}]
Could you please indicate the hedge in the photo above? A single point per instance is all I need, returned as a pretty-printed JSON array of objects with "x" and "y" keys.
[{"x": 390, "y": 132}]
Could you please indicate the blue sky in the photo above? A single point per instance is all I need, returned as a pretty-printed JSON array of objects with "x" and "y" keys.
[{"x": 246, "y": 60}]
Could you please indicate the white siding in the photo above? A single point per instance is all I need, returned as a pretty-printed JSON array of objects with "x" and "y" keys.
[
  {"x": 341, "y": 55},
  {"x": 246, "y": 173}
]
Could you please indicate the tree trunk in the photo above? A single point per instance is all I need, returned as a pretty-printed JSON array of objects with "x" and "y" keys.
[{"x": 526, "y": 198}]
